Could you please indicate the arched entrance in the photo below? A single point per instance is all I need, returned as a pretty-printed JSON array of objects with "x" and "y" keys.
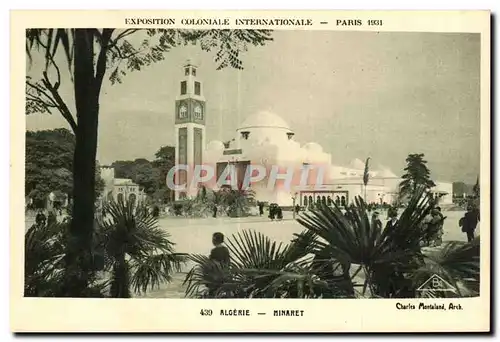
[
  {"x": 119, "y": 198},
  {"x": 132, "y": 198}
]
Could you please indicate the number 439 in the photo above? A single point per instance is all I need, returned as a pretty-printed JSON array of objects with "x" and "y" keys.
[{"x": 206, "y": 312}]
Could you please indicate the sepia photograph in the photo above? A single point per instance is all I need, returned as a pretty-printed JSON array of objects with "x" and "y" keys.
[
  {"x": 171, "y": 162},
  {"x": 273, "y": 165}
]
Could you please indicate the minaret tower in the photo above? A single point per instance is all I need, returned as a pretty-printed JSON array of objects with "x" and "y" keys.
[{"x": 189, "y": 126}]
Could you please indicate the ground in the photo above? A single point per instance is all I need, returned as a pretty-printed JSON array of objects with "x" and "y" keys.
[{"x": 195, "y": 235}]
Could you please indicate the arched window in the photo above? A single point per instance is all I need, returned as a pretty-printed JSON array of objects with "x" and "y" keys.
[
  {"x": 305, "y": 201},
  {"x": 198, "y": 113},
  {"x": 323, "y": 199},
  {"x": 329, "y": 201},
  {"x": 120, "y": 198},
  {"x": 182, "y": 112},
  {"x": 310, "y": 200}
]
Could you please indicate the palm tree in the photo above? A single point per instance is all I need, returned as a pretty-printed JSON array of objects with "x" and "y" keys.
[
  {"x": 138, "y": 253},
  {"x": 366, "y": 175},
  {"x": 43, "y": 261},
  {"x": 45, "y": 248},
  {"x": 340, "y": 256},
  {"x": 238, "y": 201}
]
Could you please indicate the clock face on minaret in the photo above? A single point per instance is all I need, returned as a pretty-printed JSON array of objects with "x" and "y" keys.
[{"x": 190, "y": 103}]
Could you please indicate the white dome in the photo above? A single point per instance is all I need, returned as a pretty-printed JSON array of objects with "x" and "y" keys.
[
  {"x": 215, "y": 145},
  {"x": 313, "y": 147},
  {"x": 264, "y": 119}
]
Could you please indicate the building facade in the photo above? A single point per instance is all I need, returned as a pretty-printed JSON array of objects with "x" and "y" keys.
[
  {"x": 119, "y": 189},
  {"x": 266, "y": 140}
]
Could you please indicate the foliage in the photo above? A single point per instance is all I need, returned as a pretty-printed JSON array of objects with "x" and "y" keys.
[
  {"x": 457, "y": 263},
  {"x": 164, "y": 162},
  {"x": 49, "y": 164},
  {"x": 417, "y": 175},
  {"x": 138, "y": 253},
  {"x": 339, "y": 255},
  {"x": 259, "y": 268},
  {"x": 43, "y": 261},
  {"x": 236, "y": 201},
  {"x": 45, "y": 249},
  {"x": 151, "y": 176},
  {"x": 141, "y": 171}
]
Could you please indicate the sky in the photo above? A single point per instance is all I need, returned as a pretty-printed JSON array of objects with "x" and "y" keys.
[{"x": 358, "y": 94}]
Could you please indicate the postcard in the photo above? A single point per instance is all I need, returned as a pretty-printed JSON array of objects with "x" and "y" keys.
[{"x": 250, "y": 171}]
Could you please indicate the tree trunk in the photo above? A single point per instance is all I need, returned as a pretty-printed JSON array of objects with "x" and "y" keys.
[
  {"x": 79, "y": 255},
  {"x": 120, "y": 285}
]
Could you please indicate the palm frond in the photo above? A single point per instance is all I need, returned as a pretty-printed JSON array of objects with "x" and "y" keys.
[
  {"x": 133, "y": 243},
  {"x": 458, "y": 263},
  {"x": 44, "y": 259},
  {"x": 151, "y": 271}
]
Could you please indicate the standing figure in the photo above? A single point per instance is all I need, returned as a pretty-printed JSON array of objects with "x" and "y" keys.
[
  {"x": 156, "y": 211},
  {"x": 40, "y": 218},
  {"x": 435, "y": 228},
  {"x": 393, "y": 218},
  {"x": 261, "y": 208},
  {"x": 51, "y": 218},
  {"x": 219, "y": 254},
  {"x": 297, "y": 208},
  {"x": 214, "y": 211},
  {"x": 469, "y": 222},
  {"x": 279, "y": 213},
  {"x": 272, "y": 211},
  {"x": 376, "y": 223}
]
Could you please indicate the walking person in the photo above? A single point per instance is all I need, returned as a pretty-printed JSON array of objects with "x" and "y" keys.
[{"x": 469, "y": 222}]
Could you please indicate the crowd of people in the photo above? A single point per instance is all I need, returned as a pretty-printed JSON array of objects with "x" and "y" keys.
[{"x": 48, "y": 217}]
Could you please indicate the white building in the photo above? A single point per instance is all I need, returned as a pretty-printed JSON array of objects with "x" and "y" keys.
[
  {"x": 267, "y": 140},
  {"x": 119, "y": 189}
]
